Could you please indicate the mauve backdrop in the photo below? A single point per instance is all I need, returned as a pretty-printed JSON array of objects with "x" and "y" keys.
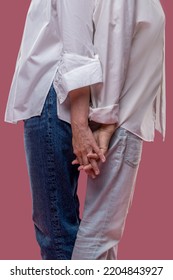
[{"x": 149, "y": 229}]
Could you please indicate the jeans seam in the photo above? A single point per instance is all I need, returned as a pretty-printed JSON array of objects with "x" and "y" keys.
[{"x": 56, "y": 229}]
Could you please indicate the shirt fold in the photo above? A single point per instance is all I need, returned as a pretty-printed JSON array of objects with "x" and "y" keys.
[{"x": 76, "y": 71}]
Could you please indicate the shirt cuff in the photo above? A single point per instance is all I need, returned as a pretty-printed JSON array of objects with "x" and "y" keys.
[
  {"x": 105, "y": 115},
  {"x": 76, "y": 71}
]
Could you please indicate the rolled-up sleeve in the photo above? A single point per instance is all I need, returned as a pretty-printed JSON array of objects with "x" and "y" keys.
[
  {"x": 78, "y": 65},
  {"x": 115, "y": 25}
]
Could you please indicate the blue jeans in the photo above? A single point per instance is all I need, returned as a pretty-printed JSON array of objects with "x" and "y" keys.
[{"x": 53, "y": 180}]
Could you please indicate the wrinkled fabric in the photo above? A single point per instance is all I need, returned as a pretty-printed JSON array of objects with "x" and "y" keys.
[
  {"x": 108, "y": 199},
  {"x": 116, "y": 47}
]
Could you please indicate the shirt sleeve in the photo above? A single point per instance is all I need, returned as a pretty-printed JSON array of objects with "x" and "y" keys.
[
  {"x": 114, "y": 24},
  {"x": 79, "y": 65}
]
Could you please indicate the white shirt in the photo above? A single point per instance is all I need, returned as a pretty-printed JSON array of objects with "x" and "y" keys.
[{"x": 116, "y": 47}]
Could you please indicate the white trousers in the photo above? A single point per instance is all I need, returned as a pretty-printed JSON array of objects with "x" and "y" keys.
[{"x": 108, "y": 199}]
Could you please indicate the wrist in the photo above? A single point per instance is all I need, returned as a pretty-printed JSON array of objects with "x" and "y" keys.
[
  {"x": 109, "y": 127},
  {"x": 80, "y": 122}
]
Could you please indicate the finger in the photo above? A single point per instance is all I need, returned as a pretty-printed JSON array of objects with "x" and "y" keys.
[
  {"x": 81, "y": 167},
  {"x": 79, "y": 159},
  {"x": 87, "y": 167},
  {"x": 95, "y": 167},
  {"x": 99, "y": 152},
  {"x": 75, "y": 161},
  {"x": 85, "y": 160},
  {"x": 92, "y": 155},
  {"x": 91, "y": 173},
  {"x": 92, "y": 167}
]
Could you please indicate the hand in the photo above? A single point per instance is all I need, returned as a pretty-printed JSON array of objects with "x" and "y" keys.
[
  {"x": 102, "y": 136},
  {"x": 84, "y": 143}
]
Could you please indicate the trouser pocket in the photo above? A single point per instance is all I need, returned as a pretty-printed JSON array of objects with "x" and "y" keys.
[{"x": 133, "y": 150}]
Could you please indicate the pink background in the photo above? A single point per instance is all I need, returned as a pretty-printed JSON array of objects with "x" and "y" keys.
[{"x": 149, "y": 228}]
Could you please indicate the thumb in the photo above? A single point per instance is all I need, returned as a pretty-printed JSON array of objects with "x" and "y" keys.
[{"x": 104, "y": 139}]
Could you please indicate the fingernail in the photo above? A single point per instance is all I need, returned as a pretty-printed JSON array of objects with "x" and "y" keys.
[
  {"x": 97, "y": 172},
  {"x": 103, "y": 159}
]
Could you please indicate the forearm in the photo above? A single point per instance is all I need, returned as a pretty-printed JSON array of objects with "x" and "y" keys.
[{"x": 79, "y": 100}]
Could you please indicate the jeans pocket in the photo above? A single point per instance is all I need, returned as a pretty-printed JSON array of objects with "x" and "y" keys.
[{"x": 133, "y": 150}]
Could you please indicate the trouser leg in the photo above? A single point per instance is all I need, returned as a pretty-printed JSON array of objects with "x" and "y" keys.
[
  {"x": 108, "y": 198},
  {"x": 53, "y": 180}
]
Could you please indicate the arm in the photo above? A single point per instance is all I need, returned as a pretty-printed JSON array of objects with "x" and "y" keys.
[
  {"x": 79, "y": 65},
  {"x": 83, "y": 140},
  {"x": 79, "y": 69},
  {"x": 114, "y": 24}
]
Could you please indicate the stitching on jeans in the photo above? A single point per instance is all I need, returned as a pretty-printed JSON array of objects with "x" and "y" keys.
[{"x": 51, "y": 182}]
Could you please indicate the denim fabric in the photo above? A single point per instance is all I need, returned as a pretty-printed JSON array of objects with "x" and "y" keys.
[
  {"x": 53, "y": 180},
  {"x": 108, "y": 198}
]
